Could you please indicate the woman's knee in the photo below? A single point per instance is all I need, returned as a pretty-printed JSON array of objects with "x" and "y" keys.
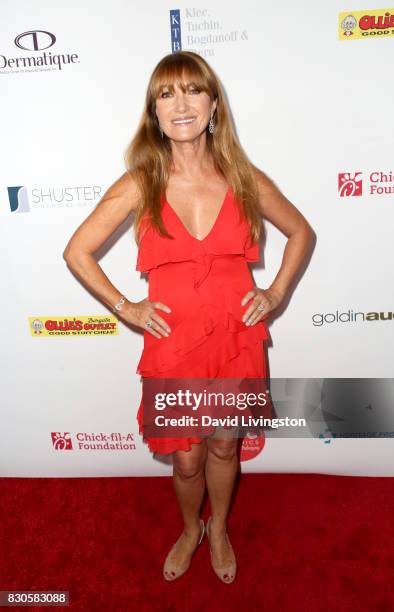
[
  {"x": 222, "y": 449},
  {"x": 189, "y": 464}
]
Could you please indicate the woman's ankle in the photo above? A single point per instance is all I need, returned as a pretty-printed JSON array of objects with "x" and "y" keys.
[
  {"x": 218, "y": 525},
  {"x": 192, "y": 528}
]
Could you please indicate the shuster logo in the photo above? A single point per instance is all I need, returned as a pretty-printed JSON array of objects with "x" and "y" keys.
[
  {"x": 61, "y": 441},
  {"x": 24, "y": 200},
  {"x": 35, "y": 40},
  {"x": 350, "y": 184},
  {"x": 19, "y": 200}
]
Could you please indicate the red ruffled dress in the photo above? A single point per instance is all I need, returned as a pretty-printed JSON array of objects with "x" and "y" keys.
[{"x": 203, "y": 282}]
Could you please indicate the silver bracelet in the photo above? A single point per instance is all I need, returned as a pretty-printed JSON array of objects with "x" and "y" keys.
[{"x": 118, "y": 306}]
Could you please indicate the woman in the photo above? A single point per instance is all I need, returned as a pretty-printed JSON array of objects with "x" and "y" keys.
[{"x": 198, "y": 204}]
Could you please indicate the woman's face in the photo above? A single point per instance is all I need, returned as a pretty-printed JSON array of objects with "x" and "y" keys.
[{"x": 193, "y": 105}]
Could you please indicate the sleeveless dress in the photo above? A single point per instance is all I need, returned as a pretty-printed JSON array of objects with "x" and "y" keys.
[{"x": 203, "y": 282}]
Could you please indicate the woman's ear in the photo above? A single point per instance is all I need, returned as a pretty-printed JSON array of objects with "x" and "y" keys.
[{"x": 215, "y": 103}]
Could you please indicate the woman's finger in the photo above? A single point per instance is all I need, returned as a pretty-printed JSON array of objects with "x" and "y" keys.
[
  {"x": 161, "y": 325},
  {"x": 256, "y": 301}
]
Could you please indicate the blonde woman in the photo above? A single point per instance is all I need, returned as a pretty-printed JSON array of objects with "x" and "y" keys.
[{"x": 198, "y": 204}]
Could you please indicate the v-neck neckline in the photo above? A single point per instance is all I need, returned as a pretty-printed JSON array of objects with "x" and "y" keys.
[{"x": 214, "y": 224}]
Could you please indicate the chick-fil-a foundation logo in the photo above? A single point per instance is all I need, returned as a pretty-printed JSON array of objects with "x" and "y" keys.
[
  {"x": 350, "y": 184},
  {"x": 376, "y": 183},
  {"x": 84, "y": 441},
  {"x": 61, "y": 441}
]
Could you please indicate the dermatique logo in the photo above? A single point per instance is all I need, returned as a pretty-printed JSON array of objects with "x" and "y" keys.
[
  {"x": 36, "y": 42},
  {"x": 378, "y": 183},
  {"x": 351, "y": 316},
  {"x": 24, "y": 200}
]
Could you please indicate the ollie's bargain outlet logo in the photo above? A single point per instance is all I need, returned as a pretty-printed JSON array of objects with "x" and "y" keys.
[
  {"x": 377, "y": 184},
  {"x": 93, "y": 441}
]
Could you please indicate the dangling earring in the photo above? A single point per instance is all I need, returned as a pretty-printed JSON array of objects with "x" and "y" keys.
[
  {"x": 211, "y": 125},
  {"x": 161, "y": 131}
]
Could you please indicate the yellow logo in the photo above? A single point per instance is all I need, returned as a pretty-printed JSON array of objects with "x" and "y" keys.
[
  {"x": 102, "y": 325},
  {"x": 375, "y": 23}
]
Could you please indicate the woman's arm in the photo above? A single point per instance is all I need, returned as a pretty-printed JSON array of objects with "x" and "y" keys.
[
  {"x": 117, "y": 203},
  {"x": 286, "y": 217},
  {"x": 114, "y": 207}
]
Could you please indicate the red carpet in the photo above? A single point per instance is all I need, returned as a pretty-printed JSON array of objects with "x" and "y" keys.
[{"x": 303, "y": 542}]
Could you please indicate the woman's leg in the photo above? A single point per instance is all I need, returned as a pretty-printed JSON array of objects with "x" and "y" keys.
[
  {"x": 220, "y": 471},
  {"x": 189, "y": 485}
]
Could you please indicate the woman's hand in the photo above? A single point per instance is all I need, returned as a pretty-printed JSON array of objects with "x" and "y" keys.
[
  {"x": 267, "y": 298},
  {"x": 139, "y": 313}
]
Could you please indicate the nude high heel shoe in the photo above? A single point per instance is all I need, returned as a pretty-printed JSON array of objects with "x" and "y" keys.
[
  {"x": 227, "y": 573},
  {"x": 171, "y": 572}
]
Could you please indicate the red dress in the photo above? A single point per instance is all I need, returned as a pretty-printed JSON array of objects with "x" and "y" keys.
[{"x": 203, "y": 282}]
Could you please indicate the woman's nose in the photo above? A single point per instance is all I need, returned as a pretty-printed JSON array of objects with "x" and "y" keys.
[{"x": 180, "y": 101}]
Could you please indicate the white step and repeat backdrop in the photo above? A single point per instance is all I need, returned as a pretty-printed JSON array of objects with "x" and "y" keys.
[{"x": 310, "y": 90}]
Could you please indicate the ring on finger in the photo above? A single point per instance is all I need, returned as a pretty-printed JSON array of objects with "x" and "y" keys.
[
  {"x": 149, "y": 323},
  {"x": 254, "y": 319}
]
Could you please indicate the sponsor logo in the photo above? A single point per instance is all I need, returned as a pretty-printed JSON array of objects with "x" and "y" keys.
[
  {"x": 350, "y": 316},
  {"x": 175, "y": 28},
  {"x": 37, "y": 43},
  {"x": 200, "y": 31},
  {"x": 102, "y": 325},
  {"x": 93, "y": 441},
  {"x": 350, "y": 184},
  {"x": 61, "y": 441},
  {"x": 327, "y": 435},
  {"x": 35, "y": 40},
  {"x": 24, "y": 200},
  {"x": 366, "y": 23},
  {"x": 379, "y": 183},
  {"x": 252, "y": 445}
]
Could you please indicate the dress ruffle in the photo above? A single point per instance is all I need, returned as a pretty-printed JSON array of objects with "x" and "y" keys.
[
  {"x": 192, "y": 332},
  {"x": 232, "y": 337},
  {"x": 154, "y": 251}
]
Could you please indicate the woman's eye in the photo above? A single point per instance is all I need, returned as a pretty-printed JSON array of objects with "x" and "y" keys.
[{"x": 164, "y": 94}]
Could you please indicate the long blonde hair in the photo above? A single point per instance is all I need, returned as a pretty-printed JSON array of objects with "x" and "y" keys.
[{"x": 148, "y": 156}]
